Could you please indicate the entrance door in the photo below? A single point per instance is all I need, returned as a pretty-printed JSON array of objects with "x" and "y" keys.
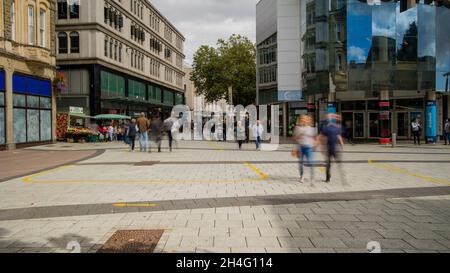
[
  {"x": 374, "y": 125},
  {"x": 403, "y": 125},
  {"x": 358, "y": 121}
]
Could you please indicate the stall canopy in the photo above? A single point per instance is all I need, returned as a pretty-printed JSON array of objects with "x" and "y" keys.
[
  {"x": 81, "y": 116},
  {"x": 111, "y": 117}
]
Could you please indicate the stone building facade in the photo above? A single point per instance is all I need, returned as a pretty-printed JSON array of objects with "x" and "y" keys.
[
  {"x": 27, "y": 68},
  {"x": 119, "y": 57}
]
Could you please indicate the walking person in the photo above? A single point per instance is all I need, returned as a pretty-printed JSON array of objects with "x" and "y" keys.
[
  {"x": 306, "y": 137},
  {"x": 258, "y": 131},
  {"x": 416, "y": 129},
  {"x": 240, "y": 135},
  {"x": 131, "y": 134},
  {"x": 156, "y": 130},
  {"x": 447, "y": 132},
  {"x": 143, "y": 125},
  {"x": 167, "y": 128},
  {"x": 331, "y": 136}
]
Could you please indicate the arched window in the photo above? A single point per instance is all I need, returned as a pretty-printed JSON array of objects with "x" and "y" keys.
[
  {"x": 62, "y": 43},
  {"x": 74, "y": 42}
]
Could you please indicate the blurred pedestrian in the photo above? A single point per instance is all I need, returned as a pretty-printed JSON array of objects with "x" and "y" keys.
[
  {"x": 258, "y": 131},
  {"x": 447, "y": 132},
  {"x": 416, "y": 129},
  {"x": 156, "y": 131},
  {"x": 167, "y": 128},
  {"x": 305, "y": 136},
  {"x": 110, "y": 133},
  {"x": 143, "y": 125},
  {"x": 240, "y": 134},
  {"x": 131, "y": 134},
  {"x": 331, "y": 135}
]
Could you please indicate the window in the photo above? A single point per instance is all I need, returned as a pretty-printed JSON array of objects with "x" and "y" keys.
[
  {"x": 62, "y": 43},
  {"x": 31, "y": 25},
  {"x": 74, "y": 42},
  {"x": 13, "y": 20},
  {"x": 106, "y": 47},
  {"x": 62, "y": 9},
  {"x": 42, "y": 26},
  {"x": 112, "y": 85},
  {"x": 74, "y": 9},
  {"x": 32, "y": 109}
]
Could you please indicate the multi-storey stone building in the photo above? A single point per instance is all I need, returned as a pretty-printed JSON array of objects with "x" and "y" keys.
[
  {"x": 27, "y": 67},
  {"x": 119, "y": 56}
]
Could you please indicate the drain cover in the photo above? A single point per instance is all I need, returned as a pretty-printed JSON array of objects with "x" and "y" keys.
[
  {"x": 132, "y": 241},
  {"x": 146, "y": 163}
]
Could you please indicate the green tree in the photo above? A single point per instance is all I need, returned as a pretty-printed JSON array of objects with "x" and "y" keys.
[{"x": 231, "y": 64}]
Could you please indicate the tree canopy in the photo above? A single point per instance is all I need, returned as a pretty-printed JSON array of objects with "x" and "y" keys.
[{"x": 231, "y": 64}]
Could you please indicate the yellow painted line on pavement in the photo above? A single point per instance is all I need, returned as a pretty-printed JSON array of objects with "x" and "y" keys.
[
  {"x": 32, "y": 179},
  {"x": 134, "y": 205},
  {"x": 408, "y": 173}
]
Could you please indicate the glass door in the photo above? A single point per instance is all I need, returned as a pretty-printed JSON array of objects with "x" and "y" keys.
[
  {"x": 374, "y": 125},
  {"x": 403, "y": 125},
  {"x": 358, "y": 121}
]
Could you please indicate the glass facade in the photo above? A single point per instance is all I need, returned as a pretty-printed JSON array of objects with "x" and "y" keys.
[
  {"x": 391, "y": 46},
  {"x": 112, "y": 85},
  {"x": 387, "y": 45},
  {"x": 32, "y": 109},
  {"x": 136, "y": 90}
]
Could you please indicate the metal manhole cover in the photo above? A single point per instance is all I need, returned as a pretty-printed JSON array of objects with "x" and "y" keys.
[
  {"x": 132, "y": 241},
  {"x": 146, "y": 163}
]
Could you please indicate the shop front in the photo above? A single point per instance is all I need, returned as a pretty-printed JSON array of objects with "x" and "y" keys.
[
  {"x": 362, "y": 118},
  {"x": 32, "y": 110}
]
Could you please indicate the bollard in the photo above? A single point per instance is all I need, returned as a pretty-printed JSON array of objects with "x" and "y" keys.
[{"x": 394, "y": 140}]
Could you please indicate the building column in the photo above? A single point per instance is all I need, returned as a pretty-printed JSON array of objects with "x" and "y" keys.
[
  {"x": 431, "y": 118},
  {"x": 384, "y": 117},
  {"x": 285, "y": 118},
  {"x": 10, "y": 144},
  {"x": 312, "y": 108}
]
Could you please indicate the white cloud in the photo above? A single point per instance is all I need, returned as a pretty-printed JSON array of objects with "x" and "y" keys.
[
  {"x": 203, "y": 22},
  {"x": 357, "y": 54}
]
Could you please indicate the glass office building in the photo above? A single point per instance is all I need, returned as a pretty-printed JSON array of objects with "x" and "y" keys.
[{"x": 380, "y": 64}]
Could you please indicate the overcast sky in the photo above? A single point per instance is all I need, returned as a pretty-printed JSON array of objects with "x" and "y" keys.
[{"x": 202, "y": 22}]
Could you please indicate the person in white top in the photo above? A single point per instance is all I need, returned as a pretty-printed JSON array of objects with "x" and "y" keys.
[
  {"x": 306, "y": 138},
  {"x": 258, "y": 131},
  {"x": 416, "y": 128}
]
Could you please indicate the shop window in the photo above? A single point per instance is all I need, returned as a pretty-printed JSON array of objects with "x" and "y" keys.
[{"x": 32, "y": 109}]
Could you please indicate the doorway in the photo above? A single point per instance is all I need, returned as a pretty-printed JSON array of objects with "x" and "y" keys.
[{"x": 355, "y": 121}]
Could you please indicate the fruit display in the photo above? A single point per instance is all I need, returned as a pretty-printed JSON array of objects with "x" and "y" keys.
[
  {"x": 80, "y": 132},
  {"x": 62, "y": 123}
]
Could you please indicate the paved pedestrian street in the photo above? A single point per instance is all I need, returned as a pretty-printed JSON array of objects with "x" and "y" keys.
[{"x": 209, "y": 197}]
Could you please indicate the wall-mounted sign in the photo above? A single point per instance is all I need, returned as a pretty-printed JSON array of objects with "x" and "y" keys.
[{"x": 76, "y": 110}]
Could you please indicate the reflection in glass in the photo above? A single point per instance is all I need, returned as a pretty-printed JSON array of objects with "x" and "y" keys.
[
  {"x": 359, "y": 20},
  {"x": 442, "y": 48},
  {"x": 46, "y": 125},
  {"x": 2, "y": 125},
  {"x": 426, "y": 66},
  {"x": 20, "y": 129},
  {"x": 406, "y": 73},
  {"x": 33, "y": 125}
]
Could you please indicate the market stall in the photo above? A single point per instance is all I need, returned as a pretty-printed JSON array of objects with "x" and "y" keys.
[{"x": 75, "y": 126}]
